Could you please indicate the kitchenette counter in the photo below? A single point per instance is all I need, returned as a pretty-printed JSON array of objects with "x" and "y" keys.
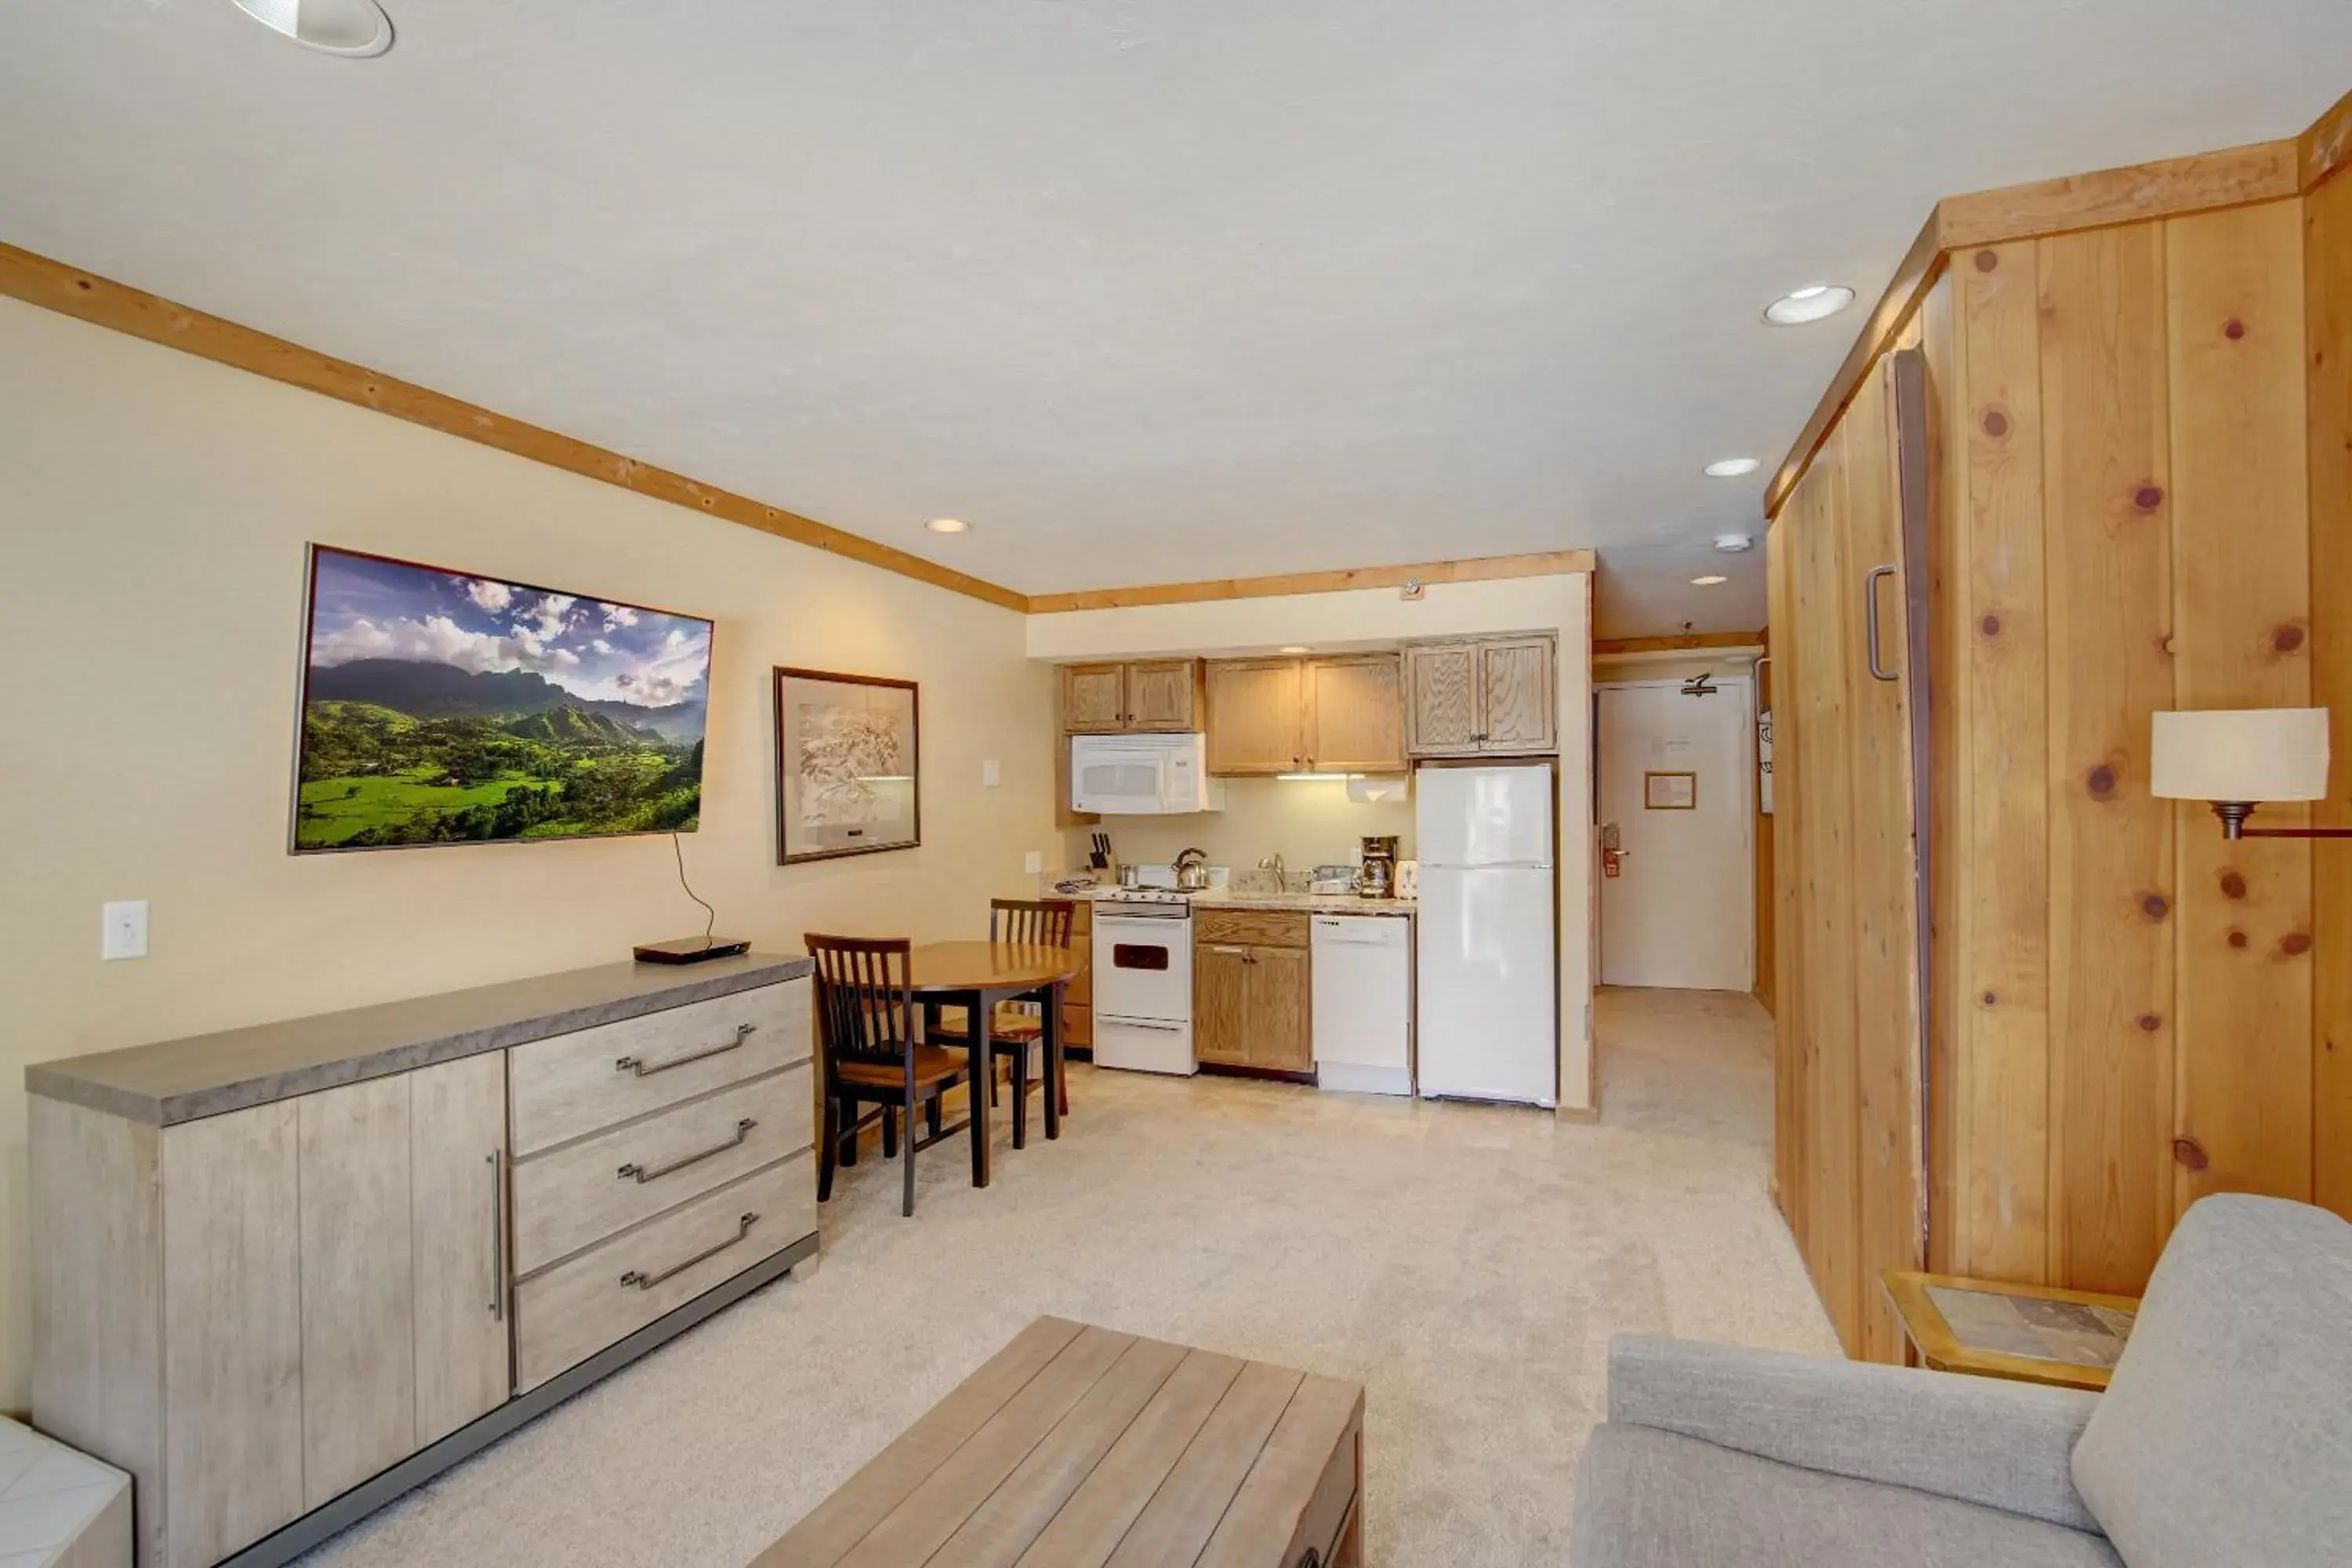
[{"x": 1303, "y": 903}]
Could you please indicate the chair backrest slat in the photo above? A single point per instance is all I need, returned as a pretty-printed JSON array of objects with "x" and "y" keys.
[
  {"x": 865, "y": 997},
  {"x": 1030, "y": 923}
]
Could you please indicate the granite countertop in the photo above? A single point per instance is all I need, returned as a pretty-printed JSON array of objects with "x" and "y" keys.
[
  {"x": 207, "y": 1075},
  {"x": 1311, "y": 903}
]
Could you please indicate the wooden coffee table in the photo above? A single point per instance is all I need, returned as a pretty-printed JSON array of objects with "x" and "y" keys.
[
  {"x": 1081, "y": 1447},
  {"x": 2027, "y": 1333}
]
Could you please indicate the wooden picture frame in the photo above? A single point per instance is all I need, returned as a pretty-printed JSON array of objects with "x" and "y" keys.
[
  {"x": 1675, "y": 790},
  {"x": 836, "y": 735}
]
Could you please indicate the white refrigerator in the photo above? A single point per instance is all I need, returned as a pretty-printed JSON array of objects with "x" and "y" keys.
[{"x": 1488, "y": 959}]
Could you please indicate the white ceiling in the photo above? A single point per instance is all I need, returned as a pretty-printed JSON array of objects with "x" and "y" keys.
[{"x": 1147, "y": 290}]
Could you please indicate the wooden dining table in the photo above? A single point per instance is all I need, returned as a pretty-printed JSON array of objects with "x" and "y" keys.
[{"x": 977, "y": 976}]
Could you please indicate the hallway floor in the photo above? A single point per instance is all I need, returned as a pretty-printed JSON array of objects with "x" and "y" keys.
[{"x": 1466, "y": 1263}]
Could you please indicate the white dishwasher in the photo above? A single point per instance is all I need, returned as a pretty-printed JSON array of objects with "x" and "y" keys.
[{"x": 1363, "y": 1003}]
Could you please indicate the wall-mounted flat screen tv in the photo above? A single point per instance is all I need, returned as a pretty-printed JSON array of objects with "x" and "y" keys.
[{"x": 447, "y": 707}]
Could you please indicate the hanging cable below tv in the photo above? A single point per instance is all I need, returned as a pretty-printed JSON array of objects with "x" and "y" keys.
[{"x": 691, "y": 949}]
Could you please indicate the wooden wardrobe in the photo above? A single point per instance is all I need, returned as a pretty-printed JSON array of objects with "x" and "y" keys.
[{"x": 2092, "y": 460}]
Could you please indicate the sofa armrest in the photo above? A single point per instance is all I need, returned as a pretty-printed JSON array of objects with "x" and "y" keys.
[{"x": 1981, "y": 1440}]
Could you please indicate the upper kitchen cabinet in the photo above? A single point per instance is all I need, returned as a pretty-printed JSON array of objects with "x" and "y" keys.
[
  {"x": 1154, "y": 696},
  {"x": 1285, "y": 715},
  {"x": 1355, "y": 714},
  {"x": 1256, "y": 716},
  {"x": 1495, "y": 695}
]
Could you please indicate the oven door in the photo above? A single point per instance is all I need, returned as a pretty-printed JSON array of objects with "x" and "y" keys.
[{"x": 1143, "y": 968}]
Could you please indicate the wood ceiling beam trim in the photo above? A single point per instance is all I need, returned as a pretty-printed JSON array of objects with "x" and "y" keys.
[
  {"x": 2236, "y": 176},
  {"x": 1610, "y": 647},
  {"x": 1483, "y": 569},
  {"x": 2326, "y": 147},
  {"x": 85, "y": 296}
]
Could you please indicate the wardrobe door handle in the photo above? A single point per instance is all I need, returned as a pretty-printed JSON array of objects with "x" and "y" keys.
[
  {"x": 498, "y": 1236},
  {"x": 1870, "y": 620}
]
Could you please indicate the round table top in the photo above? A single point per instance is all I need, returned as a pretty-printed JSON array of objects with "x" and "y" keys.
[{"x": 991, "y": 965}]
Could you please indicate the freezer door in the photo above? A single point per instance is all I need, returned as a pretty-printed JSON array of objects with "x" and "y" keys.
[
  {"x": 1489, "y": 1022},
  {"x": 1484, "y": 817}
]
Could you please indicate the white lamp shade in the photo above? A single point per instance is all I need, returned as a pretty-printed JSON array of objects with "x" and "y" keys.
[{"x": 2240, "y": 754}]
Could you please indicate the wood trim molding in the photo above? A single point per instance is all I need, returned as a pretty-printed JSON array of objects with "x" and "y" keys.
[
  {"x": 2326, "y": 147},
  {"x": 1611, "y": 647},
  {"x": 1921, "y": 266},
  {"x": 54, "y": 285},
  {"x": 2237, "y": 177},
  {"x": 1489, "y": 568}
]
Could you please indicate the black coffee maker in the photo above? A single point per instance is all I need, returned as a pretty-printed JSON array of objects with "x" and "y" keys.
[{"x": 1377, "y": 878}]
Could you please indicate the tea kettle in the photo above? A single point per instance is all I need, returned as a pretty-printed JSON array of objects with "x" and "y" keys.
[{"x": 1191, "y": 870}]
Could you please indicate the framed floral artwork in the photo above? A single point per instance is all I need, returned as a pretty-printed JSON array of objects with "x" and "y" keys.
[{"x": 848, "y": 769}]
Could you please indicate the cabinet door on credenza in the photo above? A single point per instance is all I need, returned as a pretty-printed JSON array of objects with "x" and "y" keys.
[{"x": 457, "y": 1176}]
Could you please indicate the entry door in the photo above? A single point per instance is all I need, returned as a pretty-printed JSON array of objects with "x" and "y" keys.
[{"x": 1675, "y": 778}]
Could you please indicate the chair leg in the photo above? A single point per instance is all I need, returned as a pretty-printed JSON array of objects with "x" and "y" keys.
[
  {"x": 829, "y": 1149},
  {"x": 848, "y": 1133},
  {"x": 890, "y": 1132},
  {"x": 906, "y": 1206},
  {"x": 1016, "y": 1063},
  {"x": 931, "y": 1119}
]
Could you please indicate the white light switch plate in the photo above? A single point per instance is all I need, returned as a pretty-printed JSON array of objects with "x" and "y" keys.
[
  {"x": 990, "y": 775},
  {"x": 1034, "y": 862},
  {"x": 125, "y": 930}
]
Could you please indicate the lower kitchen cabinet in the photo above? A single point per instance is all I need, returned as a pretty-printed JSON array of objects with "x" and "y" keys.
[{"x": 1251, "y": 991}]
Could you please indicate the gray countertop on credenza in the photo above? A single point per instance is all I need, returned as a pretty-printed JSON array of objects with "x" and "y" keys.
[{"x": 207, "y": 1075}]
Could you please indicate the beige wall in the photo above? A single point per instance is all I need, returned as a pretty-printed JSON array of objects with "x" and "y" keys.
[
  {"x": 153, "y": 518},
  {"x": 1364, "y": 618},
  {"x": 1305, "y": 823}
]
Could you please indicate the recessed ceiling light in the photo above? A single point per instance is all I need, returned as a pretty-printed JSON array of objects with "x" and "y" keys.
[
  {"x": 353, "y": 28},
  {"x": 1813, "y": 303},
  {"x": 1295, "y": 648},
  {"x": 1708, "y": 581},
  {"x": 1731, "y": 468},
  {"x": 1733, "y": 543},
  {"x": 948, "y": 525}
]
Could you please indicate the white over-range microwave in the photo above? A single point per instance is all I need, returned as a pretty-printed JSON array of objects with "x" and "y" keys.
[{"x": 1142, "y": 775}]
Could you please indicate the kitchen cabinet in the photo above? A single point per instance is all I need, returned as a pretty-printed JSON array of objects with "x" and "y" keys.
[
  {"x": 1355, "y": 714},
  {"x": 1147, "y": 697},
  {"x": 1343, "y": 714},
  {"x": 1252, "y": 990},
  {"x": 1480, "y": 697},
  {"x": 1078, "y": 995},
  {"x": 1255, "y": 716}
]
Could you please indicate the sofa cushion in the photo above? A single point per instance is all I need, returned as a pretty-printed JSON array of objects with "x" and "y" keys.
[
  {"x": 1647, "y": 1498},
  {"x": 2226, "y": 1436}
]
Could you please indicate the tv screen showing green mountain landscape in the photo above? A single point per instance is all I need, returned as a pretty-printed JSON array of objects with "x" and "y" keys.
[{"x": 443, "y": 707}]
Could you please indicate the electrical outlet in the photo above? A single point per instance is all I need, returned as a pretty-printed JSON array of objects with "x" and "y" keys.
[
  {"x": 990, "y": 775},
  {"x": 1034, "y": 862},
  {"x": 124, "y": 932}
]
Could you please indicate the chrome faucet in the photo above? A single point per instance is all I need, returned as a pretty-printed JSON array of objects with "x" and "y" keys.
[{"x": 1272, "y": 863}]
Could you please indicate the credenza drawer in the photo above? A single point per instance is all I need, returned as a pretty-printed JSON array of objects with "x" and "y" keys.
[
  {"x": 585, "y": 1192},
  {"x": 570, "y": 1085},
  {"x": 569, "y": 1313}
]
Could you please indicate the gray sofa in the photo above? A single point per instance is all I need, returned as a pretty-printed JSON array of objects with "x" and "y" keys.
[{"x": 2225, "y": 1440}]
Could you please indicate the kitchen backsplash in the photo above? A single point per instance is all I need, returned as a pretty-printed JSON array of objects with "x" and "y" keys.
[{"x": 1304, "y": 821}]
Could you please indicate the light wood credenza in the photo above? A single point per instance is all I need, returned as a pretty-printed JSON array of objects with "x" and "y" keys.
[{"x": 284, "y": 1274}]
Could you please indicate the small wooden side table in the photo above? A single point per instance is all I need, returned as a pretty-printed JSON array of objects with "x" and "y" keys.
[{"x": 2027, "y": 1333}]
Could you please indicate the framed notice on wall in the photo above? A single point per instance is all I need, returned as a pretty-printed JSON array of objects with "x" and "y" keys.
[
  {"x": 1670, "y": 791},
  {"x": 847, "y": 778}
]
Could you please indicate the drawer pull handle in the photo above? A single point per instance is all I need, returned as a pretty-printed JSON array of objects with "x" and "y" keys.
[
  {"x": 644, "y": 1282},
  {"x": 644, "y": 1069},
  {"x": 645, "y": 1173}
]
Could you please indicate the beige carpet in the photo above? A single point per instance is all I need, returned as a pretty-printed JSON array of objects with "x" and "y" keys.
[{"x": 1468, "y": 1264}]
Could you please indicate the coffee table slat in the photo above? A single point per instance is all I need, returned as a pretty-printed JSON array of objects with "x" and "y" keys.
[
  {"x": 1282, "y": 1501},
  {"x": 867, "y": 1498},
  {"x": 1184, "y": 1514},
  {"x": 937, "y": 1509},
  {"x": 1100, "y": 1512},
  {"x": 1020, "y": 1510}
]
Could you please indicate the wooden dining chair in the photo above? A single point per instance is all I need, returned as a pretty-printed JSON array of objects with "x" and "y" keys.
[
  {"x": 866, "y": 1038},
  {"x": 1019, "y": 1028}
]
